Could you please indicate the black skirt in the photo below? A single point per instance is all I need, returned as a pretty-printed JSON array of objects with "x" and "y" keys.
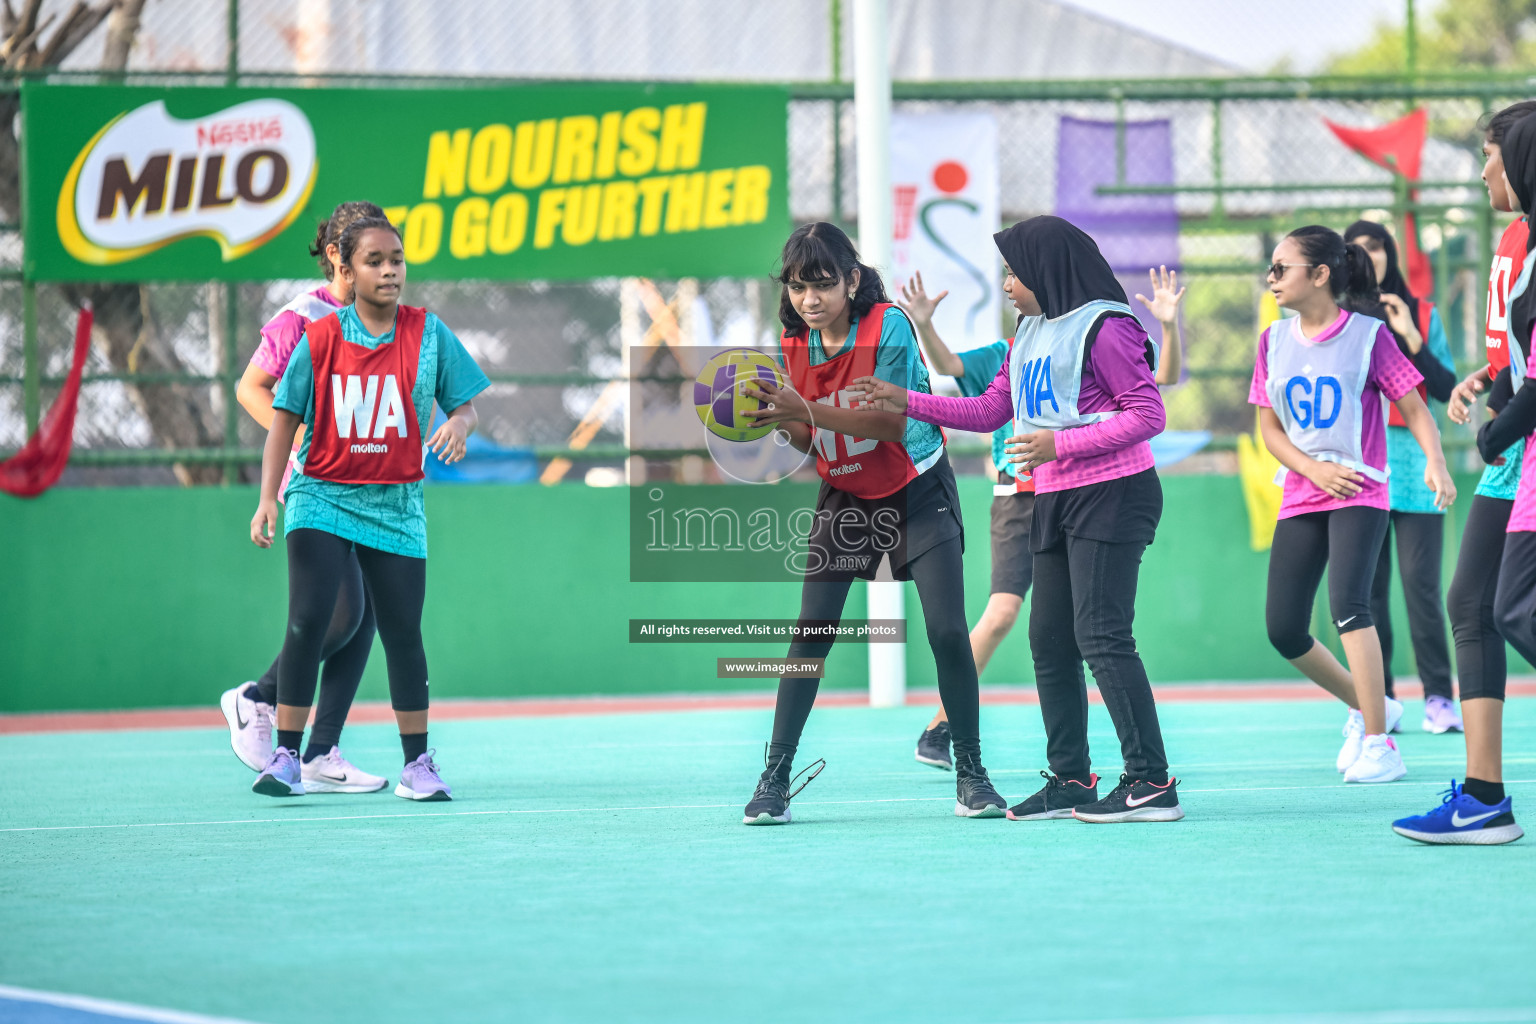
[
  {"x": 852, "y": 534},
  {"x": 1123, "y": 511}
]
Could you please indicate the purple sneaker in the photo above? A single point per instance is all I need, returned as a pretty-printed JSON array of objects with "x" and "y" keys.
[
  {"x": 281, "y": 776},
  {"x": 419, "y": 781},
  {"x": 1440, "y": 716}
]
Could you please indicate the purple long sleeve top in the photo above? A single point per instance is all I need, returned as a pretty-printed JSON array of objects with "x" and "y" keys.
[{"x": 1115, "y": 377}]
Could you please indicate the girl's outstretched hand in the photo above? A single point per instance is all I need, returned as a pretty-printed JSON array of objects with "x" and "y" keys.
[
  {"x": 1463, "y": 397},
  {"x": 264, "y": 524},
  {"x": 879, "y": 394},
  {"x": 782, "y": 404},
  {"x": 449, "y": 440},
  {"x": 1032, "y": 450},
  {"x": 914, "y": 300},
  {"x": 1438, "y": 479},
  {"x": 1166, "y": 295}
]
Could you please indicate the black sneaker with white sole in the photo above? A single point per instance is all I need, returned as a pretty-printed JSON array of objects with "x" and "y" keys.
[
  {"x": 974, "y": 795},
  {"x": 1056, "y": 799},
  {"x": 1135, "y": 800},
  {"x": 933, "y": 747},
  {"x": 775, "y": 789}
]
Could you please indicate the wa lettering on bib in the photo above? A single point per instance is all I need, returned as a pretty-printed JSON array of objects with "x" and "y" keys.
[
  {"x": 366, "y": 430},
  {"x": 1316, "y": 389},
  {"x": 1045, "y": 368}
]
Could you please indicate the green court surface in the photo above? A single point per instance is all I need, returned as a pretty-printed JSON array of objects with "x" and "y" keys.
[{"x": 595, "y": 869}]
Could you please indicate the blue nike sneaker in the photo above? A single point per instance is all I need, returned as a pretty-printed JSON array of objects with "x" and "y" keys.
[{"x": 1461, "y": 819}]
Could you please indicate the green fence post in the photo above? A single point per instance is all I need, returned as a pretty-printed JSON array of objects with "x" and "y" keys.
[
  {"x": 231, "y": 377},
  {"x": 32, "y": 365},
  {"x": 1119, "y": 138},
  {"x": 837, "y": 114},
  {"x": 232, "y": 58},
  {"x": 1218, "y": 207}
]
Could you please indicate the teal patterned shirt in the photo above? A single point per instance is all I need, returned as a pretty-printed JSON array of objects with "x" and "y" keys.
[
  {"x": 1406, "y": 490},
  {"x": 388, "y": 517}
]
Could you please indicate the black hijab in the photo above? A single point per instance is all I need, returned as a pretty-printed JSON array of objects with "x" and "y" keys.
[
  {"x": 1519, "y": 151},
  {"x": 1392, "y": 281},
  {"x": 1057, "y": 261}
]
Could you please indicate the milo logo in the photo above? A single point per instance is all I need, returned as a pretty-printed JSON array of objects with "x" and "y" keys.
[{"x": 148, "y": 179}]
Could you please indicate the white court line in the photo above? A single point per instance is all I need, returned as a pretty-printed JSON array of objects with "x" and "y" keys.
[
  {"x": 1459, "y": 1015},
  {"x": 108, "y": 1007},
  {"x": 651, "y": 807}
]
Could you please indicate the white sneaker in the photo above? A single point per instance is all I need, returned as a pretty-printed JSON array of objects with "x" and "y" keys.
[
  {"x": 250, "y": 727},
  {"x": 1394, "y": 713},
  {"x": 335, "y": 774},
  {"x": 1354, "y": 734},
  {"x": 1379, "y": 761}
]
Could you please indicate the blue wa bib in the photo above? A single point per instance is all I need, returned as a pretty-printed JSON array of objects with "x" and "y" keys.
[
  {"x": 1315, "y": 389},
  {"x": 1045, "y": 368}
]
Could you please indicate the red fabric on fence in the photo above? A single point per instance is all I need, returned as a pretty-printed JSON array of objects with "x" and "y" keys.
[
  {"x": 41, "y": 461},
  {"x": 1398, "y": 147}
]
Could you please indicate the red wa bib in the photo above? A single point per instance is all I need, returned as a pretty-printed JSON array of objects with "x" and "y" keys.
[
  {"x": 1394, "y": 417},
  {"x": 869, "y": 469},
  {"x": 365, "y": 429}
]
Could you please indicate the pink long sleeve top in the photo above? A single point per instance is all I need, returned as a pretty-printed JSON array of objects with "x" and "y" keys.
[{"x": 1115, "y": 377}]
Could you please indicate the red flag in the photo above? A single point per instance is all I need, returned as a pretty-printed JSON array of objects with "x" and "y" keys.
[
  {"x": 41, "y": 461},
  {"x": 1398, "y": 147}
]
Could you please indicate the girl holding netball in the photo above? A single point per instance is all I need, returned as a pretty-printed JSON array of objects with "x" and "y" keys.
[
  {"x": 1490, "y": 598},
  {"x": 248, "y": 707},
  {"x": 1318, "y": 380},
  {"x": 1419, "y": 525},
  {"x": 1080, "y": 387},
  {"x": 1013, "y": 494},
  {"x": 363, "y": 379},
  {"x": 887, "y": 492}
]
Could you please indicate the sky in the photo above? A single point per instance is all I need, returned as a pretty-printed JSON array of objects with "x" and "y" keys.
[{"x": 1256, "y": 34}]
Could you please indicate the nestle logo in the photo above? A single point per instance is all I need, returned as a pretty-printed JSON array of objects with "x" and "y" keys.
[{"x": 239, "y": 133}]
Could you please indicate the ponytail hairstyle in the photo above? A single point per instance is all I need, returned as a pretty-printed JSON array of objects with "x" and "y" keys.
[
  {"x": 330, "y": 229},
  {"x": 1496, "y": 124},
  {"x": 821, "y": 253},
  {"x": 1351, "y": 276},
  {"x": 349, "y": 236}
]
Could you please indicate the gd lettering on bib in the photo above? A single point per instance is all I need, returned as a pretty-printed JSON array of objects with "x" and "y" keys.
[{"x": 1316, "y": 389}]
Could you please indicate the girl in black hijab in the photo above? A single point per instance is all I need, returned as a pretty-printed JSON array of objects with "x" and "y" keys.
[
  {"x": 1414, "y": 517},
  {"x": 1079, "y": 387}
]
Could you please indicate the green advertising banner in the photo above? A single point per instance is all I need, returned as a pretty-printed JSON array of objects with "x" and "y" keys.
[{"x": 542, "y": 181}]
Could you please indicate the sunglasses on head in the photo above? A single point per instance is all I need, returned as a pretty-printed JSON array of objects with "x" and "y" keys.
[{"x": 1277, "y": 270}]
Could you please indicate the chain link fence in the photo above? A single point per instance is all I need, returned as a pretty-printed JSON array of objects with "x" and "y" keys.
[{"x": 1251, "y": 159}]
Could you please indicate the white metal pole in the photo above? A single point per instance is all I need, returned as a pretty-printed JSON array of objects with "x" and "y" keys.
[{"x": 872, "y": 113}]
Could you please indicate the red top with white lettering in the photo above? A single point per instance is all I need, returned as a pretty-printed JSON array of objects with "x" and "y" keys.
[
  {"x": 869, "y": 469},
  {"x": 1508, "y": 260},
  {"x": 365, "y": 429}
]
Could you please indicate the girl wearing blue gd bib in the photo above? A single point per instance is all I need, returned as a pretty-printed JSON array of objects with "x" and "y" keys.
[{"x": 1319, "y": 380}]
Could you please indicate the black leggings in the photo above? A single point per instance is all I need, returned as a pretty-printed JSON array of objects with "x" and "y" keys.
[
  {"x": 1420, "y": 546},
  {"x": 1514, "y": 603},
  {"x": 348, "y": 641},
  {"x": 1480, "y": 657},
  {"x": 1346, "y": 542},
  {"x": 396, "y": 586},
  {"x": 941, "y": 588},
  {"x": 1083, "y": 610}
]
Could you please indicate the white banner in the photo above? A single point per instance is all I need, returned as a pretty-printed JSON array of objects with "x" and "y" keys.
[{"x": 944, "y": 173}]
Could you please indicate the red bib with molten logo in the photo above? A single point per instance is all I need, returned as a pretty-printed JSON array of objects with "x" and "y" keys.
[
  {"x": 1508, "y": 261},
  {"x": 365, "y": 429},
  {"x": 869, "y": 469}
]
